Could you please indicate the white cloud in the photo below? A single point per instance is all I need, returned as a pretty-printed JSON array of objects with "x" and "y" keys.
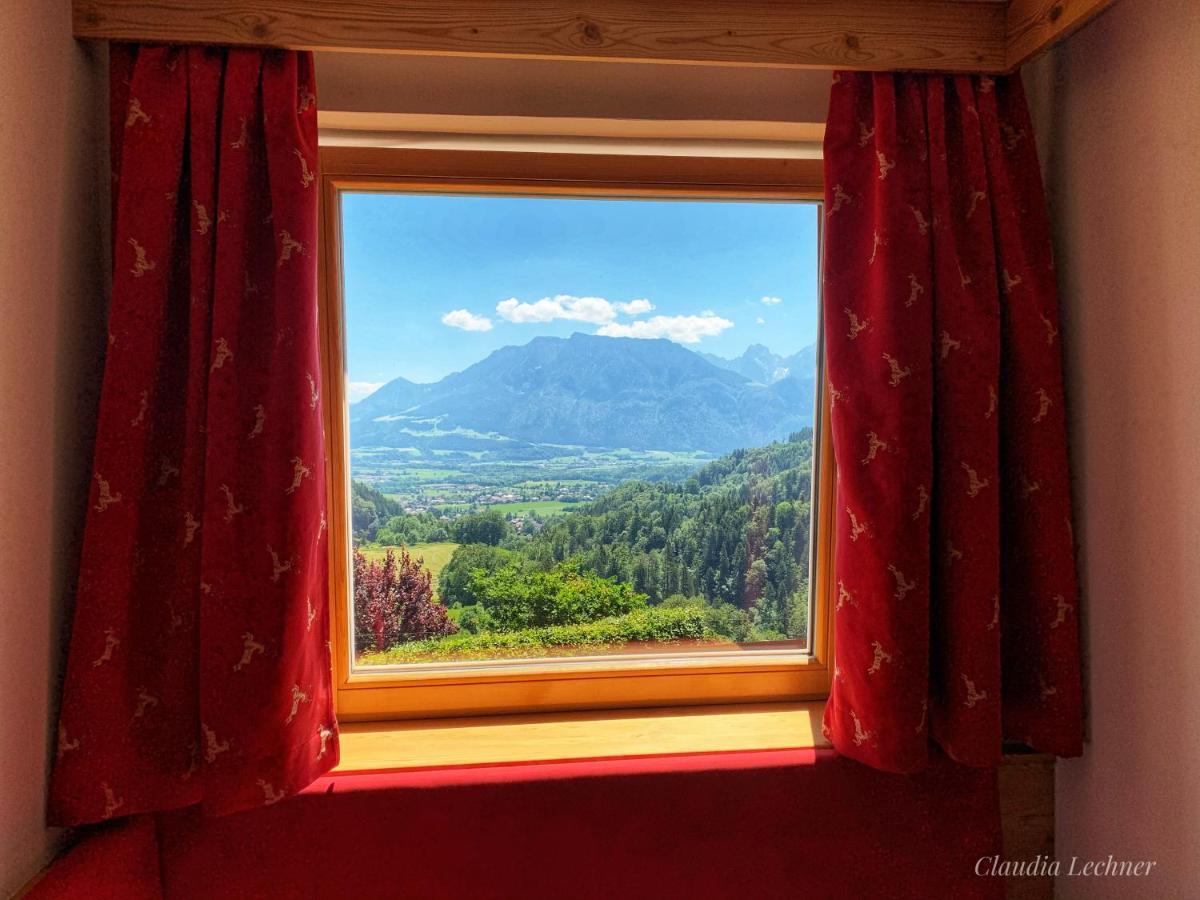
[
  {"x": 760, "y": 321},
  {"x": 593, "y": 310},
  {"x": 635, "y": 307},
  {"x": 771, "y": 301},
  {"x": 466, "y": 320},
  {"x": 684, "y": 329},
  {"x": 358, "y": 390}
]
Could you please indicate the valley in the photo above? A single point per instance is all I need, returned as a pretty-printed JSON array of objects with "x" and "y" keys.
[
  {"x": 582, "y": 495},
  {"x": 456, "y": 481}
]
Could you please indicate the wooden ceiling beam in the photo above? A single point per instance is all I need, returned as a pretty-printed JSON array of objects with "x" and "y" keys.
[
  {"x": 868, "y": 35},
  {"x": 930, "y": 35},
  {"x": 1033, "y": 26}
]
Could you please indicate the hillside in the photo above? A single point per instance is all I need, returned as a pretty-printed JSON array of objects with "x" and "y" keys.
[
  {"x": 735, "y": 533},
  {"x": 586, "y": 391}
]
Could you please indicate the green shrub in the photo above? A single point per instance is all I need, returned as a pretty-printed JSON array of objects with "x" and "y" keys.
[
  {"x": 454, "y": 581},
  {"x": 656, "y": 623},
  {"x": 516, "y": 598},
  {"x": 722, "y": 618},
  {"x": 472, "y": 619}
]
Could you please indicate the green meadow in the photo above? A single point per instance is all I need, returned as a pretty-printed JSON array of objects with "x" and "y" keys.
[
  {"x": 524, "y": 507},
  {"x": 435, "y": 556}
]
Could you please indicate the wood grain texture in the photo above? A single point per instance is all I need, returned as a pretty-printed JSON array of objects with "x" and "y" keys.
[
  {"x": 382, "y": 746},
  {"x": 931, "y": 35},
  {"x": 625, "y": 130},
  {"x": 1033, "y": 26},
  {"x": 1027, "y": 820},
  {"x": 579, "y": 173},
  {"x": 574, "y": 690}
]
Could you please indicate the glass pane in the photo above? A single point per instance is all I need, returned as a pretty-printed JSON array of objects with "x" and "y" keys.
[{"x": 578, "y": 426}]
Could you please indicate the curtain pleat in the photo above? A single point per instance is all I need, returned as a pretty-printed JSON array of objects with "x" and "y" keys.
[
  {"x": 199, "y": 668},
  {"x": 955, "y": 615}
]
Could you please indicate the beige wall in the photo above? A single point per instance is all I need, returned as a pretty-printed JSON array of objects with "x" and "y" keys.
[
  {"x": 472, "y": 86},
  {"x": 1123, "y": 159},
  {"x": 51, "y": 337}
]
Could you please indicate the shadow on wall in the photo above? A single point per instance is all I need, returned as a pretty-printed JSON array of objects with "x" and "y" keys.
[
  {"x": 1122, "y": 117},
  {"x": 54, "y": 206}
]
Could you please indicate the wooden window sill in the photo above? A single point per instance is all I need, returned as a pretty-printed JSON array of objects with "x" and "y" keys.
[{"x": 491, "y": 740}]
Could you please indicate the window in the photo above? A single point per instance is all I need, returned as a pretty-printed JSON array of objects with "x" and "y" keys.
[{"x": 576, "y": 454}]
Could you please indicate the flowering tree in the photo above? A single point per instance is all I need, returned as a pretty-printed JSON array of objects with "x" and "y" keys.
[{"x": 393, "y": 603}]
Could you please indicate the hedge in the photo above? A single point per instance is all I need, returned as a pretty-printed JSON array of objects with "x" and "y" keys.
[{"x": 656, "y": 623}]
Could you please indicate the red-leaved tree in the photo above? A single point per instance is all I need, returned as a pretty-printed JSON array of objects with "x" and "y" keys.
[{"x": 393, "y": 602}]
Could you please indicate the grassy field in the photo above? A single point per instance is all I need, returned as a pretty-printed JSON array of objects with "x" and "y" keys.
[
  {"x": 435, "y": 556},
  {"x": 525, "y": 507}
]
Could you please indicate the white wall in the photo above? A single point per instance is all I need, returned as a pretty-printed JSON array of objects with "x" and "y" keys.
[
  {"x": 52, "y": 107},
  {"x": 1123, "y": 148}
]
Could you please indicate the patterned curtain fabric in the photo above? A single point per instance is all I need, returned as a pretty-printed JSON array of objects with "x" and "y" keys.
[
  {"x": 199, "y": 669},
  {"x": 956, "y": 587}
]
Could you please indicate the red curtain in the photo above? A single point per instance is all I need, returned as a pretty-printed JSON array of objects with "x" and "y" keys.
[
  {"x": 954, "y": 564},
  {"x": 199, "y": 669}
]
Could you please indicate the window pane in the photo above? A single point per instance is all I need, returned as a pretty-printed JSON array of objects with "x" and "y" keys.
[{"x": 578, "y": 426}]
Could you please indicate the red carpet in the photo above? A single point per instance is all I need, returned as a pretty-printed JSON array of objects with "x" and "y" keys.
[{"x": 746, "y": 826}]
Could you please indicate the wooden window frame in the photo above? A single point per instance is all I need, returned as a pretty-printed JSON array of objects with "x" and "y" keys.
[{"x": 536, "y": 685}]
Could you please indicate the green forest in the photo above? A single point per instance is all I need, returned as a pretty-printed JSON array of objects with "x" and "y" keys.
[{"x": 719, "y": 557}]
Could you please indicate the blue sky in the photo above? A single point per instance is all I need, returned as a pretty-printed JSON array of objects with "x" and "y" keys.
[{"x": 435, "y": 283}]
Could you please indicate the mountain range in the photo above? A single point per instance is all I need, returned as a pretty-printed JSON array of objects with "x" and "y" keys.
[
  {"x": 596, "y": 392},
  {"x": 759, "y": 364}
]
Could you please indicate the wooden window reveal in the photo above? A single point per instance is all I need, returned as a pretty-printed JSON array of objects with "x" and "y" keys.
[{"x": 540, "y": 685}]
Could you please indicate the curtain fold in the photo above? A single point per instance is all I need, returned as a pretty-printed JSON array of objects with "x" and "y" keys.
[
  {"x": 199, "y": 669},
  {"x": 955, "y": 616}
]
